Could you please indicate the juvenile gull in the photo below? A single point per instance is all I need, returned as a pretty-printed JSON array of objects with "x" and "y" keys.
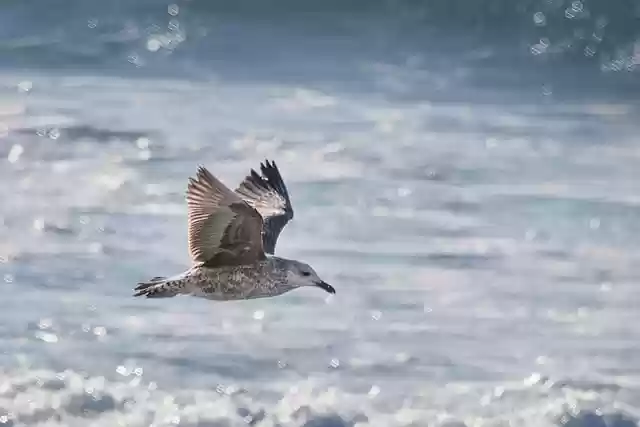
[{"x": 232, "y": 239}]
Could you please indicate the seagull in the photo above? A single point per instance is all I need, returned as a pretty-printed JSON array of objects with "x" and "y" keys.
[{"x": 232, "y": 237}]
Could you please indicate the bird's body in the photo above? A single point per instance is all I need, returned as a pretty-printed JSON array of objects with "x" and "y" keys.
[
  {"x": 232, "y": 238},
  {"x": 262, "y": 279}
]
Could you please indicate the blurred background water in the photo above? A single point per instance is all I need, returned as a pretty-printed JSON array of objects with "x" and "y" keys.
[{"x": 463, "y": 172}]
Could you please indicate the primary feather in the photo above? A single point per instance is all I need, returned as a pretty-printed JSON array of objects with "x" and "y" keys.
[{"x": 268, "y": 194}]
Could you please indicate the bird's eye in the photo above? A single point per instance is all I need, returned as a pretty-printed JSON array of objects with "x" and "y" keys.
[{"x": 306, "y": 273}]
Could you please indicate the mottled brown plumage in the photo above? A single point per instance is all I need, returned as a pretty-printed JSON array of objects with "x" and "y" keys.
[
  {"x": 230, "y": 234},
  {"x": 222, "y": 228}
]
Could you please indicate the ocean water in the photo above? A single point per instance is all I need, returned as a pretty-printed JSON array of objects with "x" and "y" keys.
[{"x": 464, "y": 173}]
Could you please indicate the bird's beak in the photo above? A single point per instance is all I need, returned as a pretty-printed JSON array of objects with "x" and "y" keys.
[{"x": 327, "y": 287}]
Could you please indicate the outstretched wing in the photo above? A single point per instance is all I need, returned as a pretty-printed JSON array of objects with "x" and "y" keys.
[
  {"x": 268, "y": 194},
  {"x": 223, "y": 229}
]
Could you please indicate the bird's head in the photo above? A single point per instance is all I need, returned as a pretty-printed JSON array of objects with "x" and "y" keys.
[{"x": 300, "y": 274}]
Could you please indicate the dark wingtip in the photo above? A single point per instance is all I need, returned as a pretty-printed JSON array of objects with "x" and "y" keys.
[
  {"x": 267, "y": 165},
  {"x": 272, "y": 175},
  {"x": 257, "y": 179}
]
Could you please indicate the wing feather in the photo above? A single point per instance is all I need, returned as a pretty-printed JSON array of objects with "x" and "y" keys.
[
  {"x": 222, "y": 228},
  {"x": 267, "y": 193}
]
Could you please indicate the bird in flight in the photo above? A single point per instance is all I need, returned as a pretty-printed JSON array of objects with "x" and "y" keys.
[{"x": 232, "y": 238}]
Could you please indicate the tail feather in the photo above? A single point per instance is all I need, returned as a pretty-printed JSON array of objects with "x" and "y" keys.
[
  {"x": 151, "y": 282},
  {"x": 159, "y": 287}
]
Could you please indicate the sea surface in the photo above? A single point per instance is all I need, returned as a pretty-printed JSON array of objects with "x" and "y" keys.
[{"x": 464, "y": 173}]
